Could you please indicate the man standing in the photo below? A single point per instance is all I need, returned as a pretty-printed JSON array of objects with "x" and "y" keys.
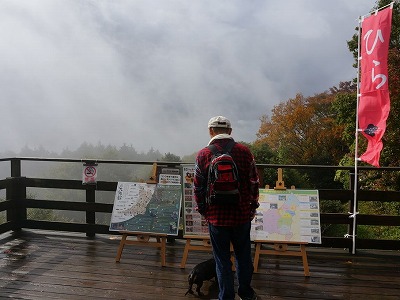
[{"x": 229, "y": 223}]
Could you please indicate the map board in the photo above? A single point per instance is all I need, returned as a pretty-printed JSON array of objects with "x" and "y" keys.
[
  {"x": 194, "y": 223},
  {"x": 287, "y": 216},
  {"x": 147, "y": 208}
]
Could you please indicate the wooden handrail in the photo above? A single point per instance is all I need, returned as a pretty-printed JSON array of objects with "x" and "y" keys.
[{"x": 17, "y": 202}]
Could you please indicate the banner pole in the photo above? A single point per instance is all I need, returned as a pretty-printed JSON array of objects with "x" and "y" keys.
[
  {"x": 355, "y": 187},
  {"x": 354, "y": 213}
]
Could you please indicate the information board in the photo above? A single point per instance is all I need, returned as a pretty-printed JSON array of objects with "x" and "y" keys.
[
  {"x": 194, "y": 223},
  {"x": 147, "y": 208},
  {"x": 288, "y": 216}
]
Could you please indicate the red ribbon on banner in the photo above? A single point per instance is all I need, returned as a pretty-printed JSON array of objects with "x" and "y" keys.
[{"x": 374, "y": 103}]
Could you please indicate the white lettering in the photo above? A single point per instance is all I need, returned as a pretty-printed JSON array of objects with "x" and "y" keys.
[
  {"x": 366, "y": 38},
  {"x": 383, "y": 77}
]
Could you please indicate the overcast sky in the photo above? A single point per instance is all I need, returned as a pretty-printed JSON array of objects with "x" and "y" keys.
[{"x": 152, "y": 73}]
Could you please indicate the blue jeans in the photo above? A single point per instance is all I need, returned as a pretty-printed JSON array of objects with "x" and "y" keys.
[{"x": 221, "y": 238}]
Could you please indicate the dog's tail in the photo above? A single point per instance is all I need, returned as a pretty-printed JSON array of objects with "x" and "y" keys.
[{"x": 191, "y": 278}]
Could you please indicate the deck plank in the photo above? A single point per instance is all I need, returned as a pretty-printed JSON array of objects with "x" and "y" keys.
[{"x": 55, "y": 265}]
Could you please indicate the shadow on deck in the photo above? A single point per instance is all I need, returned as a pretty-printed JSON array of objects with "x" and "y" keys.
[{"x": 56, "y": 265}]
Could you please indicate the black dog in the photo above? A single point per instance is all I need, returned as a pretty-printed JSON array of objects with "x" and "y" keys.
[{"x": 201, "y": 272}]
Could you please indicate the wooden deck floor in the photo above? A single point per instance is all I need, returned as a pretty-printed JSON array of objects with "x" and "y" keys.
[{"x": 54, "y": 265}]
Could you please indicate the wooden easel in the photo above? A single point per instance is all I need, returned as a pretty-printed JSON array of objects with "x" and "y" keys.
[
  {"x": 205, "y": 245},
  {"x": 281, "y": 248},
  {"x": 144, "y": 240}
]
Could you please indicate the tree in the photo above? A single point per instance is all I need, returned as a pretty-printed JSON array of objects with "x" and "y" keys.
[
  {"x": 346, "y": 109},
  {"x": 191, "y": 158},
  {"x": 262, "y": 152},
  {"x": 171, "y": 157},
  {"x": 302, "y": 131}
]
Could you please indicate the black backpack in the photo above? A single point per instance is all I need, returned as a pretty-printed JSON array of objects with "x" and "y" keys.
[{"x": 223, "y": 177}]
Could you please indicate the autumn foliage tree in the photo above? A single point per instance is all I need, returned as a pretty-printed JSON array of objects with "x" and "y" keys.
[{"x": 303, "y": 130}]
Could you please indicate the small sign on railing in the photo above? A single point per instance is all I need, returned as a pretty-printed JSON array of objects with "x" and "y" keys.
[{"x": 89, "y": 174}]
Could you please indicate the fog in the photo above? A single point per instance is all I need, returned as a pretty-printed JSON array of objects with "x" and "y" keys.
[{"x": 151, "y": 73}]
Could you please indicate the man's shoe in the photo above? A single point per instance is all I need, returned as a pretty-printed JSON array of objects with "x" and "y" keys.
[{"x": 254, "y": 297}]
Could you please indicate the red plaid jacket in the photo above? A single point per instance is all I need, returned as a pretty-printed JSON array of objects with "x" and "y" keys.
[{"x": 249, "y": 184}]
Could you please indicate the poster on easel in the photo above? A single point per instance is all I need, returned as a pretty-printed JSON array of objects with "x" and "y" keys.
[
  {"x": 287, "y": 216},
  {"x": 194, "y": 222},
  {"x": 146, "y": 208}
]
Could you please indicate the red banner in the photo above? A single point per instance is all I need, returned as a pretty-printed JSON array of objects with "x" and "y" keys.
[{"x": 374, "y": 102}]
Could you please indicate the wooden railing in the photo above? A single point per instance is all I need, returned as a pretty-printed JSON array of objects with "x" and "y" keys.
[{"x": 17, "y": 203}]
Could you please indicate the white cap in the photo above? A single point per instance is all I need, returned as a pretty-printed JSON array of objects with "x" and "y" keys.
[{"x": 219, "y": 121}]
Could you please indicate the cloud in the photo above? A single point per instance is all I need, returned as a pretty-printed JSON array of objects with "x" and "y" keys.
[{"x": 151, "y": 73}]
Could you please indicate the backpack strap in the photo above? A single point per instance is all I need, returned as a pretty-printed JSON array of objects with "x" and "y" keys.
[
  {"x": 227, "y": 149},
  {"x": 229, "y": 146},
  {"x": 213, "y": 149}
]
